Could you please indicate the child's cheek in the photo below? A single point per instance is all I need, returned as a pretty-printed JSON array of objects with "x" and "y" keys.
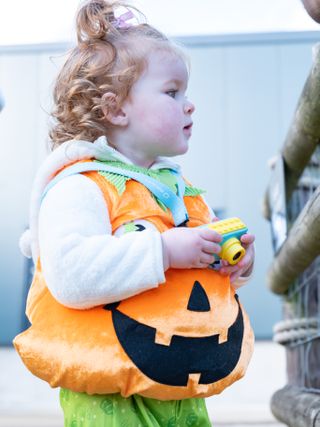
[{"x": 166, "y": 125}]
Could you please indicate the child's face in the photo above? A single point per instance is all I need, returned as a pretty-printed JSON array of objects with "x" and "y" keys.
[{"x": 159, "y": 114}]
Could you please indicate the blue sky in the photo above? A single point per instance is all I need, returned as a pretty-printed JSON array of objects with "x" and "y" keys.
[{"x": 43, "y": 21}]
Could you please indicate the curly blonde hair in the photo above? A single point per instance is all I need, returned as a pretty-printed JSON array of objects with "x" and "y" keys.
[{"x": 108, "y": 58}]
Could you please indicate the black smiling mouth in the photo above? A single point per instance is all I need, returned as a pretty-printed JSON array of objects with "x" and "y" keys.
[{"x": 172, "y": 365}]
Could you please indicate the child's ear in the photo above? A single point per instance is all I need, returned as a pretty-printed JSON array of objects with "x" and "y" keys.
[{"x": 111, "y": 110}]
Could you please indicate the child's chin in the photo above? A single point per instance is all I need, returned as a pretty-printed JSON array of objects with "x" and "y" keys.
[
  {"x": 184, "y": 149},
  {"x": 178, "y": 151}
]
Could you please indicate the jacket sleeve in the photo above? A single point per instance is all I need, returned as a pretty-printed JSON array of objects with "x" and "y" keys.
[{"x": 83, "y": 264}]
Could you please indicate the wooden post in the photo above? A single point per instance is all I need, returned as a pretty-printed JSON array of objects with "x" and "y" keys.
[
  {"x": 304, "y": 132},
  {"x": 295, "y": 407},
  {"x": 313, "y": 8},
  {"x": 300, "y": 248}
]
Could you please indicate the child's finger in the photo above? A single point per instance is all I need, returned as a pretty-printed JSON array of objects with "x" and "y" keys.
[
  {"x": 210, "y": 247},
  {"x": 247, "y": 260},
  {"x": 229, "y": 269},
  {"x": 247, "y": 239},
  {"x": 234, "y": 276},
  {"x": 207, "y": 259},
  {"x": 210, "y": 235}
]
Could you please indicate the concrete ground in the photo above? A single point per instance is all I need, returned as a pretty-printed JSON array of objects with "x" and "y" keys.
[{"x": 26, "y": 401}]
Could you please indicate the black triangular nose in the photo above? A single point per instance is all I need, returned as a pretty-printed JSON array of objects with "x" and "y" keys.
[{"x": 198, "y": 300}]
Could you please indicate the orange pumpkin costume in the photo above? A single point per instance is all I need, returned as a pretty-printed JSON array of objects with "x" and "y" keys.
[{"x": 188, "y": 337}]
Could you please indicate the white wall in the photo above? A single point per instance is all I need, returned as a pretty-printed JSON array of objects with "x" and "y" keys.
[{"x": 245, "y": 90}]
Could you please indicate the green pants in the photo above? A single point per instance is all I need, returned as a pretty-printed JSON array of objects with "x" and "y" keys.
[{"x": 112, "y": 410}]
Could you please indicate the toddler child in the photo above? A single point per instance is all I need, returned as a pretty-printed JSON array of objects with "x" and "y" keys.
[{"x": 101, "y": 234}]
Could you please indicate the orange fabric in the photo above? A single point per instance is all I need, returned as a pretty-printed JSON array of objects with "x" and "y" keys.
[{"x": 80, "y": 349}]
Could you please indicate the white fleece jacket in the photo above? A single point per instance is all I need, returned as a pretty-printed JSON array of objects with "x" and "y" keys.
[{"x": 83, "y": 264}]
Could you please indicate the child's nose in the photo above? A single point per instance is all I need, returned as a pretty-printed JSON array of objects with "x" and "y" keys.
[{"x": 189, "y": 107}]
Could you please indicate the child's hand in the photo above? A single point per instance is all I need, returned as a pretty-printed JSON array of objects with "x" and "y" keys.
[
  {"x": 190, "y": 247},
  {"x": 244, "y": 267}
]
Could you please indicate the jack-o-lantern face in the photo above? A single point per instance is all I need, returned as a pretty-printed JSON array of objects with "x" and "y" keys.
[
  {"x": 187, "y": 337},
  {"x": 172, "y": 364}
]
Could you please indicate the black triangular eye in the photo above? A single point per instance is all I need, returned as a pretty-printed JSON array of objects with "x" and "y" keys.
[{"x": 198, "y": 300}]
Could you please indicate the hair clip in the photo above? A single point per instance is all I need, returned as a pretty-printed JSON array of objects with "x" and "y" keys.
[{"x": 121, "y": 21}]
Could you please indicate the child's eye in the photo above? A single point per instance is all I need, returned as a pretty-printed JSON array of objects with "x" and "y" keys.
[{"x": 172, "y": 93}]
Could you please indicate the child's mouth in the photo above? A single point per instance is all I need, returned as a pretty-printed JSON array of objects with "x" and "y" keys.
[{"x": 188, "y": 128}]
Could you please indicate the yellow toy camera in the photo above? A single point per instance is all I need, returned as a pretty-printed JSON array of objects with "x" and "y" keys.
[{"x": 231, "y": 230}]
